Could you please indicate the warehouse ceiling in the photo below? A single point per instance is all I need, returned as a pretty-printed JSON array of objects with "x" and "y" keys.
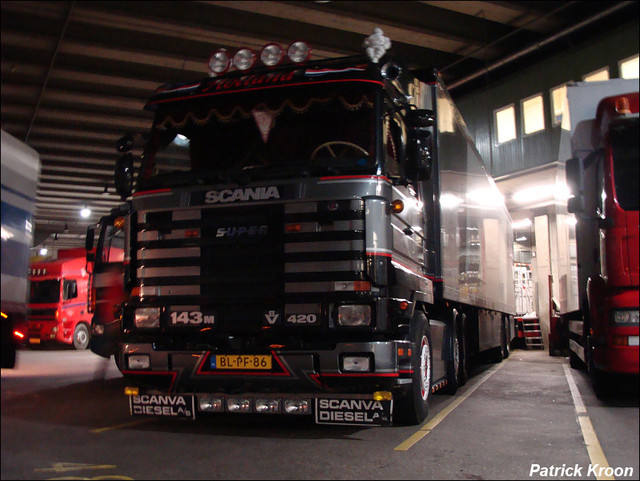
[{"x": 75, "y": 75}]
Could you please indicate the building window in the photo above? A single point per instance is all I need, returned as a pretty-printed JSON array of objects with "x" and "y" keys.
[
  {"x": 558, "y": 96},
  {"x": 629, "y": 67},
  {"x": 597, "y": 75},
  {"x": 533, "y": 114},
  {"x": 505, "y": 119}
]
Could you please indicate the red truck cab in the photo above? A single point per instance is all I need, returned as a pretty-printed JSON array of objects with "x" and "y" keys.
[
  {"x": 57, "y": 310},
  {"x": 605, "y": 336}
]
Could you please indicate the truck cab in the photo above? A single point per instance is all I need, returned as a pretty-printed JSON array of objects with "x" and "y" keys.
[{"x": 58, "y": 301}]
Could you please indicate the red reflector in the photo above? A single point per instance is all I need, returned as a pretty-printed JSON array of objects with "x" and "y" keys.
[
  {"x": 620, "y": 340},
  {"x": 192, "y": 233},
  {"x": 292, "y": 228},
  {"x": 404, "y": 305},
  {"x": 361, "y": 286}
]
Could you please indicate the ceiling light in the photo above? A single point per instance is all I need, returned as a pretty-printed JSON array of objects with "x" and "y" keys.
[
  {"x": 521, "y": 224},
  {"x": 85, "y": 212}
]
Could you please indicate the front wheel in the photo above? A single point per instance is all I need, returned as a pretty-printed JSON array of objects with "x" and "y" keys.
[
  {"x": 81, "y": 337},
  {"x": 414, "y": 407}
]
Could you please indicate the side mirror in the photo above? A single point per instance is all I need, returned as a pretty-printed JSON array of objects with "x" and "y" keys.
[
  {"x": 575, "y": 205},
  {"x": 124, "y": 175},
  {"x": 419, "y": 161},
  {"x": 420, "y": 118},
  {"x": 88, "y": 240},
  {"x": 125, "y": 144}
]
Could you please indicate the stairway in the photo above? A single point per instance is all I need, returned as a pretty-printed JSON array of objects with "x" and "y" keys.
[{"x": 532, "y": 333}]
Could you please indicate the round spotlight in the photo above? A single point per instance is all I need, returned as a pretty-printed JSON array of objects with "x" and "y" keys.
[
  {"x": 271, "y": 54},
  {"x": 299, "y": 52},
  {"x": 219, "y": 61},
  {"x": 244, "y": 59}
]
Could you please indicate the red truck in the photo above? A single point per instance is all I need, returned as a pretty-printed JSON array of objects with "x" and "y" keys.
[
  {"x": 603, "y": 174},
  {"x": 58, "y": 300}
]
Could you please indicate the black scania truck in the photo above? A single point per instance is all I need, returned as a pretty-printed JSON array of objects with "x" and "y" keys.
[{"x": 305, "y": 238}]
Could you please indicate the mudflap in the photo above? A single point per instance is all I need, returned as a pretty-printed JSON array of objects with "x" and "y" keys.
[{"x": 354, "y": 411}]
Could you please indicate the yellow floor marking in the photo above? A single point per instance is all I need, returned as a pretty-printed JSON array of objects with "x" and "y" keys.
[
  {"x": 124, "y": 425},
  {"x": 596, "y": 454},
  {"x": 62, "y": 467},
  {"x": 438, "y": 418}
]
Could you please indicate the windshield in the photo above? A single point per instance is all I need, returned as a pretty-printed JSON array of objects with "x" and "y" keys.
[
  {"x": 624, "y": 144},
  {"x": 292, "y": 133},
  {"x": 42, "y": 292}
]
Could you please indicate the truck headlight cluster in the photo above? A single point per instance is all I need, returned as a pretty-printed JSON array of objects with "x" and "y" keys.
[
  {"x": 625, "y": 316},
  {"x": 354, "y": 315},
  {"x": 147, "y": 317},
  {"x": 216, "y": 403}
]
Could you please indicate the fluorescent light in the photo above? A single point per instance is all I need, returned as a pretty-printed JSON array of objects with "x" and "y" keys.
[{"x": 521, "y": 224}]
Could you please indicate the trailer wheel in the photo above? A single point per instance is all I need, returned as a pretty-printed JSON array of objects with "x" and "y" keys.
[
  {"x": 81, "y": 337},
  {"x": 414, "y": 407},
  {"x": 454, "y": 367}
]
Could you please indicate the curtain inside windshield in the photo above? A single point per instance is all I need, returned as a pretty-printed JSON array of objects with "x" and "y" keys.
[{"x": 319, "y": 129}]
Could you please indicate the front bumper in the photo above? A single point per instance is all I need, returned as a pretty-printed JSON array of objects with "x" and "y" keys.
[{"x": 337, "y": 384}]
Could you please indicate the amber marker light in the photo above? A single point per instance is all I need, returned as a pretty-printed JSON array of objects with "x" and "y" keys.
[{"x": 397, "y": 206}]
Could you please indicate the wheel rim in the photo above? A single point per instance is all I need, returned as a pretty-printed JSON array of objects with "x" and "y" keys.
[
  {"x": 456, "y": 355},
  {"x": 81, "y": 337},
  {"x": 425, "y": 368}
]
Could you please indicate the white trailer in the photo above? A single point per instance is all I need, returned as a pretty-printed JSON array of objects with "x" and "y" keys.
[{"x": 20, "y": 171}]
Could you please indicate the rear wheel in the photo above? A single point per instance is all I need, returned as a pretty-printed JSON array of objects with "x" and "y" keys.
[
  {"x": 81, "y": 337},
  {"x": 414, "y": 407},
  {"x": 453, "y": 367}
]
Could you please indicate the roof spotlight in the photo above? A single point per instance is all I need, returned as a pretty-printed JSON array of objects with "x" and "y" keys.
[
  {"x": 299, "y": 52},
  {"x": 271, "y": 54},
  {"x": 219, "y": 61},
  {"x": 244, "y": 59}
]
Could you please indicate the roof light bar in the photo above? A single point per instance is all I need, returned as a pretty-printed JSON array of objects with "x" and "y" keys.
[{"x": 271, "y": 55}]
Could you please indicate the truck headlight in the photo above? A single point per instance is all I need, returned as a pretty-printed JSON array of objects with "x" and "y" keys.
[
  {"x": 625, "y": 316},
  {"x": 354, "y": 315},
  {"x": 147, "y": 317}
]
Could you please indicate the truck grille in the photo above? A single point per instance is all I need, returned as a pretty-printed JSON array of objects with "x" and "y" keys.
[{"x": 239, "y": 263}]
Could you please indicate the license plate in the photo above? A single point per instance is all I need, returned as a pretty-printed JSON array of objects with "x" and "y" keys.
[
  {"x": 358, "y": 412},
  {"x": 163, "y": 405},
  {"x": 34, "y": 340},
  {"x": 244, "y": 362}
]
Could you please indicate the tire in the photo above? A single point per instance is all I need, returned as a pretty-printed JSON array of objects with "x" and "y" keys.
[
  {"x": 506, "y": 346},
  {"x": 81, "y": 337},
  {"x": 453, "y": 367},
  {"x": 413, "y": 408},
  {"x": 574, "y": 361}
]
